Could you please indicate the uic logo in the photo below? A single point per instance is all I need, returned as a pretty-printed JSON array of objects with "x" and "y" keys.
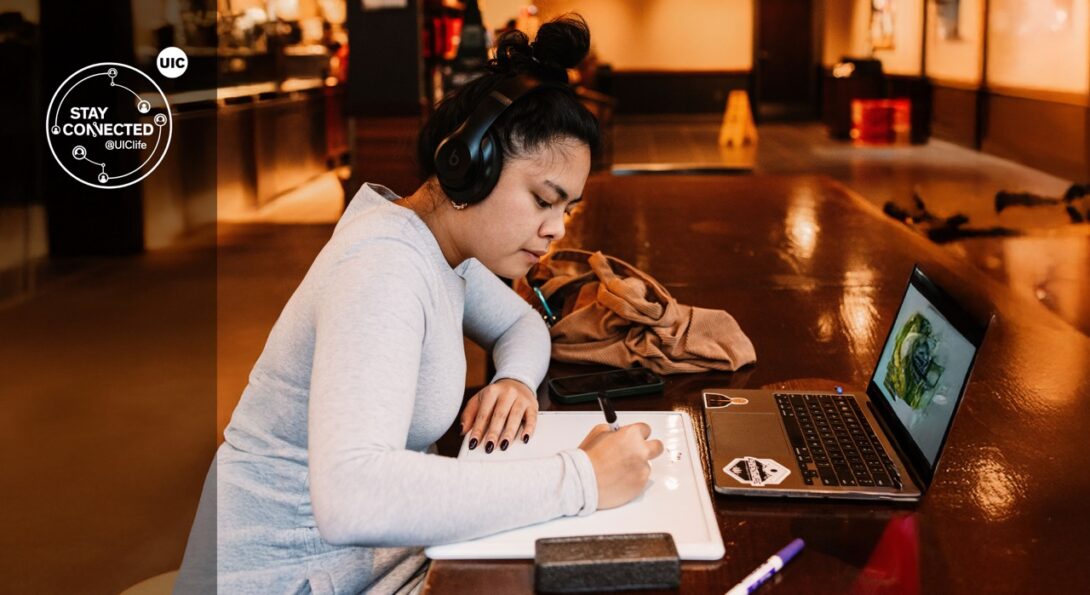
[
  {"x": 172, "y": 62},
  {"x": 108, "y": 125}
]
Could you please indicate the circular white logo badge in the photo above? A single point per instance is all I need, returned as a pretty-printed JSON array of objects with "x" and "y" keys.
[
  {"x": 172, "y": 62},
  {"x": 108, "y": 125}
]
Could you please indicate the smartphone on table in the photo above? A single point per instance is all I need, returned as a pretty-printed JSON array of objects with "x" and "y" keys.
[{"x": 583, "y": 388}]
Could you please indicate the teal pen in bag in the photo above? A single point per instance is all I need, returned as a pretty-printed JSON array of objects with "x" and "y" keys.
[{"x": 550, "y": 318}]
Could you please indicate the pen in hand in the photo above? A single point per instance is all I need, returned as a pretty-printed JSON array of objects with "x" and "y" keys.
[{"x": 607, "y": 409}]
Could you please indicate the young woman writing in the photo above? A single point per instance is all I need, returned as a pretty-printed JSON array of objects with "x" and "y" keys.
[{"x": 326, "y": 482}]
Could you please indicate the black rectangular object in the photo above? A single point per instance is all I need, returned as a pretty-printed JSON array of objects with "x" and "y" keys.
[
  {"x": 625, "y": 382},
  {"x": 606, "y": 563}
]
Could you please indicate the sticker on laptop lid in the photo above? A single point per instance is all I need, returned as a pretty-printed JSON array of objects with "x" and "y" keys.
[{"x": 757, "y": 472}]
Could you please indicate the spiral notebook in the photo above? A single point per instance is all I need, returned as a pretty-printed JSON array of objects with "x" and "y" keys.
[{"x": 676, "y": 500}]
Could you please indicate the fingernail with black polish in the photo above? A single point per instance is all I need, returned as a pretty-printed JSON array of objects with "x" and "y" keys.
[
  {"x": 525, "y": 438},
  {"x": 472, "y": 443},
  {"x": 503, "y": 445},
  {"x": 488, "y": 448}
]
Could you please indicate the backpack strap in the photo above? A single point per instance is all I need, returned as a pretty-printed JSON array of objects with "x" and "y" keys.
[
  {"x": 560, "y": 288},
  {"x": 617, "y": 266}
]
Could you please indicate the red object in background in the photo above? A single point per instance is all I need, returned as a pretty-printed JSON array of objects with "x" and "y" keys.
[
  {"x": 455, "y": 31},
  {"x": 439, "y": 37},
  {"x": 894, "y": 565},
  {"x": 881, "y": 120}
]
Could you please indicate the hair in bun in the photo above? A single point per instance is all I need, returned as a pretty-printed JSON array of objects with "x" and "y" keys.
[
  {"x": 561, "y": 44},
  {"x": 535, "y": 120}
]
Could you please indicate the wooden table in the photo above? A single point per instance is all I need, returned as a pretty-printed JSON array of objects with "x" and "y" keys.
[{"x": 814, "y": 274}]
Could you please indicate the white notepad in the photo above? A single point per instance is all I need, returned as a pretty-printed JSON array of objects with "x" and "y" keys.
[{"x": 676, "y": 500}]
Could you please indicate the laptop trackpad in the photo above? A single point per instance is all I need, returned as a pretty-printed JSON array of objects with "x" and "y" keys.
[
  {"x": 755, "y": 435},
  {"x": 750, "y": 450}
]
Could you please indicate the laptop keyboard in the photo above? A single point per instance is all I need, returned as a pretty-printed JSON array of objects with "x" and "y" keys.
[{"x": 834, "y": 443}]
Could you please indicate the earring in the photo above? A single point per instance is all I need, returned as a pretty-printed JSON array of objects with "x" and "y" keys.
[{"x": 458, "y": 206}]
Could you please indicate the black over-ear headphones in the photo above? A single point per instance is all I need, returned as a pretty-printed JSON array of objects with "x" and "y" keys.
[{"x": 469, "y": 161}]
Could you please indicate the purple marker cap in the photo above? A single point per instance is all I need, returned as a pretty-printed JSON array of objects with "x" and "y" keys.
[{"x": 790, "y": 550}]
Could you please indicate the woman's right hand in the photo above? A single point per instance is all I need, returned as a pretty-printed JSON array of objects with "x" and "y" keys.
[{"x": 621, "y": 460}]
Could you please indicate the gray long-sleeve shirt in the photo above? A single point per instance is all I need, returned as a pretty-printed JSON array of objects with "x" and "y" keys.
[{"x": 324, "y": 479}]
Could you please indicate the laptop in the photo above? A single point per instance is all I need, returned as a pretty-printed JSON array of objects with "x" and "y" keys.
[{"x": 884, "y": 444}]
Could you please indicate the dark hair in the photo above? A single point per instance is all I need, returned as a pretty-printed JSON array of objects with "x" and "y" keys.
[{"x": 535, "y": 120}]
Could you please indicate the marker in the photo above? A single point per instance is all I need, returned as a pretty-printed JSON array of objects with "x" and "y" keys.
[
  {"x": 607, "y": 408},
  {"x": 769, "y": 568},
  {"x": 550, "y": 318}
]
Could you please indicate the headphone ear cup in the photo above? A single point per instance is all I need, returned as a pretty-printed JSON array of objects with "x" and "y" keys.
[
  {"x": 480, "y": 179},
  {"x": 453, "y": 165},
  {"x": 490, "y": 166}
]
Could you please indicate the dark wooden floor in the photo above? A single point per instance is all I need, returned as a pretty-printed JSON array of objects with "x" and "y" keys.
[{"x": 107, "y": 425}]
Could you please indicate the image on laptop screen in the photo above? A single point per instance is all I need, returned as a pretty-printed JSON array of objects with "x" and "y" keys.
[{"x": 923, "y": 367}]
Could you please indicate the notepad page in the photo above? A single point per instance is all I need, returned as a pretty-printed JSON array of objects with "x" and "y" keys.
[{"x": 676, "y": 500}]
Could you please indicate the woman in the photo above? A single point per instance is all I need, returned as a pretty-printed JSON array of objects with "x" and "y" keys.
[{"x": 324, "y": 480}]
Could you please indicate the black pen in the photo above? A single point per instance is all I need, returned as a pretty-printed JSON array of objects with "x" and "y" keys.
[{"x": 607, "y": 408}]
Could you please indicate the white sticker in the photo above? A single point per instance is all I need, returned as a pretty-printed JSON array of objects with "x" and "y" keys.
[
  {"x": 719, "y": 401},
  {"x": 757, "y": 472}
]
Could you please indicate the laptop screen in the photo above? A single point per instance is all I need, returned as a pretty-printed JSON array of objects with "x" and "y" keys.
[{"x": 923, "y": 368}]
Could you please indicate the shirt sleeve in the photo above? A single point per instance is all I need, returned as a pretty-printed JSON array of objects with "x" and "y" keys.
[
  {"x": 366, "y": 487},
  {"x": 497, "y": 318}
]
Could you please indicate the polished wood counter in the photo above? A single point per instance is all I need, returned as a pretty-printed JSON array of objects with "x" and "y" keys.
[{"x": 814, "y": 274}]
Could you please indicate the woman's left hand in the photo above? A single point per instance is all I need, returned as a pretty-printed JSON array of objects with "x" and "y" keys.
[{"x": 493, "y": 415}]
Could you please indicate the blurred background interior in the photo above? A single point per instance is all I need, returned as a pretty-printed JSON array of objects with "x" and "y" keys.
[{"x": 132, "y": 317}]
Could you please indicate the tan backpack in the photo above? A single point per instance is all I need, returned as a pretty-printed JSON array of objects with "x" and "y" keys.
[{"x": 609, "y": 312}]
